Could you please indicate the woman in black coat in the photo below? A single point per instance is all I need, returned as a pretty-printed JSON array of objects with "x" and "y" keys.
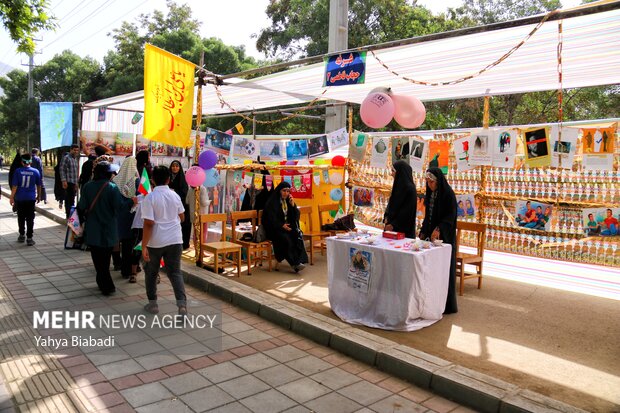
[
  {"x": 281, "y": 224},
  {"x": 401, "y": 208},
  {"x": 440, "y": 223},
  {"x": 179, "y": 185}
]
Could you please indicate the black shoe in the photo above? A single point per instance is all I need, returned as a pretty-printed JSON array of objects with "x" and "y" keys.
[
  {"x": 21, "y": 238},
  {"x": 108, "y": 292},
  {"x": 30, "y": 242}
]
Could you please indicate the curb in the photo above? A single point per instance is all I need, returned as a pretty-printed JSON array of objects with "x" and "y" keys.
[{"x": 462, "y": 385}]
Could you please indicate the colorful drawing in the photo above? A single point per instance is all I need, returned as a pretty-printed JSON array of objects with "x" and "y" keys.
[
  {"x": 439, "y": 155},
  {"x": 360, "y": 269},
  {"x": 533, "y": 215}
]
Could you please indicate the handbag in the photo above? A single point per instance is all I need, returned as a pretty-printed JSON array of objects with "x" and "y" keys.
[
  {"x": 77, "y": 220},
  {"x": 260, "y": 235}
]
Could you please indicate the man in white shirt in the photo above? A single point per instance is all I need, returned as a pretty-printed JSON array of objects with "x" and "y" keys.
[{"x": 163, "y": 212}]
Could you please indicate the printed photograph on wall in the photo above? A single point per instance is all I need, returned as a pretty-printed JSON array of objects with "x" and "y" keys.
[
  {"x": 218, "y": 142},
  {"x": 175, "y": 151},
  {"x": 272, "y": 150},
  {"x": 142, "y": 144},
  {"x": 338, "y": 138},
  {"x": 297, "y": 149},
  {"x": 400, "y": 148},
  {"x": 362, "y": 196},
  {"x": 537, "y": 148},
  {"x": 533, "y": 215},
  {"x": 317, "y": 146},
  {"x": 244, "y": 148},
  {"x": 601, "y": 221},
  {"x": 465, "y": 206},
  {"x": 159, "y": 149},
  {"x": 505, "y": 147},
  {"x": 598, "y": 140},
  {"x": 124, "y": 144},
  {"x": 418, "y": 148},
  {"x": 439, "y": 155},
  {"x": 379, "y": 152},
  {"x": 357, "y": 149},
  {"x": 563, "y": 150},
  {"x": 462, "y": 153},
  {"x": 481, "y": 150}
]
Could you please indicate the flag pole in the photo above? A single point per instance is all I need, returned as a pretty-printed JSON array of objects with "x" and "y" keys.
[{"x": 197, "y": 225}]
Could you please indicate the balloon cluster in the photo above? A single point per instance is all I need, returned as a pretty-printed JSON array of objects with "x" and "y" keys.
[
  {"x": 380, "y": 106},
  {"x": 204, "y": 172}
]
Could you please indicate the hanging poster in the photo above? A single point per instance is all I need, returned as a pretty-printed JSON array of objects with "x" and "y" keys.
[
  {"x": 379, "y": 152},
  {"x": 87, "y": 141},
  {"x": 56, "y": 124},
  {"x": 317, "y": 146},
  {"x": 338, "y": 138},
  {"x": 504, "y": 147},
  {"x": 439, "y": 155},
  {"x": 345, "y": 69},
  {"x": 563, "y": 152},
  {"x": 360, "y": 270},
  {"x": 465, "y": 206},
  {"x": 159, "y": 149},
  {"x": 357, "y": 149},
  {"x": 601, "y": 221},
  {"x": 124, "y": 144},
  {"x": 481, "y": 150},
  {"x": 537, "y": 148},
  {"x": 244, "y": 148},
  {"x": 533, "y": 215},
  {"x": 400, "y": 148},
  {"x": 419, "y": 148},
  {"x": 175, "y": 151},
  {"x": 234, "y": 191},
  {"x": 301, "y": 184},
  {"x": 598, "y": 147},
  {"x": 142, "y": 144},
  {"x": 297, "y": 149},
  {"x": 218, "y": 142},
  {"x": 272, "y": 150},
  {"x": 363, "y": 197},
  {"x": 462, "y": 153}
]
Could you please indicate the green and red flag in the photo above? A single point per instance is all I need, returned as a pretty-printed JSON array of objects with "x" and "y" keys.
[{"x": 145, "y": 184}]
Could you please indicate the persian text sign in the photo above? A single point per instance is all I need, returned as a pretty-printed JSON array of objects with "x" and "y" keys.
[
  {"x": 345, "y": 69},
  {"x": 168, "y": 97}
]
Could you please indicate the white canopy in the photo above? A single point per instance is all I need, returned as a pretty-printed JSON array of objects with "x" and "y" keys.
[{"x": 590, "y": 56}]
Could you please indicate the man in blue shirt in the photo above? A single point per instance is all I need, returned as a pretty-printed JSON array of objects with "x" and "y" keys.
[{"x": 25, "y": 192}]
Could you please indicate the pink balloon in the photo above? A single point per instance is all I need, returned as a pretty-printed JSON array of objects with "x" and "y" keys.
[
  {"x": 409, "y": 112},
  {"x": 195, "y": 176},
  {"x": 377, "y": 110}
]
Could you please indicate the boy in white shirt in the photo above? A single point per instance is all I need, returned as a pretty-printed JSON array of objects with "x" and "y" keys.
[{"x": 163, "y": 212}]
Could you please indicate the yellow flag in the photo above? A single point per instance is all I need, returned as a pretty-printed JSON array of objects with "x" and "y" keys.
[
  {"x": 239, "y": 128},
  {"x": 168, "y": 97}
]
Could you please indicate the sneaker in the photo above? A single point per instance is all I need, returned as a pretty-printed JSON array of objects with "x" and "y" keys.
[
  {"x": 30, "y": 242},
  {"x": 299, "y": 267},
  {"x": 152, "y": 308},
  {"x": 182, "y": 310},
  {"x": 21, "y": 238}
]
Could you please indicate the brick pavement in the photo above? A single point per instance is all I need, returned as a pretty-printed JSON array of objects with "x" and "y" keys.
[{"x": 244, "y": 364}]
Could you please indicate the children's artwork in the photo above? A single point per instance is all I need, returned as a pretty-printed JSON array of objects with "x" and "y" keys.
[
  {"x": 533, "y": 215},
  {"x": 244, "y": 148},
  {"x": 400, "y": 148},
  {"x": 159, "y": 149},
  {"x": 601, "y": 221},
  {"x": 218, "y": 142},
  {"x": 465, "y": 206},
  {"x": 420, "y": 210},
  {"x": 87, "y": 141},
  {"x": 563, "y": 151},
  {"x": 338, "y": 138},
  {"x": 124, "y": 144},
  {"x": 357, "y": 149},
  {"x": 317, "y": 146},
  {"x": 439, "y": 155},
  {"x": 297, "y": 149},
  {"x": 363, "y": 197},
  {"x": 504, "y": 147},
  {"x": 142, "y": 144},
  {"x": 175, "y": 151},
  {"x": 360, "y": 269},
  {"x": 598, "y": 147},
  {"x": 537, "y": 148},
  {"x": 418, "y": 147},
  {"x": 462, "y": 153},
  {"x": 379, "y": 152},
  {"x": 217, "y": 193},
  {"x": 272, "y": 150},
  {"x": 234, "y": 191},
  {"x": 481, "y": 150}
]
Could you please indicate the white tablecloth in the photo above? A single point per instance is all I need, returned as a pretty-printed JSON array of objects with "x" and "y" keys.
[{"x": 406, "y": 290}]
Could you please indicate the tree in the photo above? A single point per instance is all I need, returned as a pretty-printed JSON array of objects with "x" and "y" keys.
[
  {"x": 24, "y": 18},
  {"x": 481, "y": 12}
]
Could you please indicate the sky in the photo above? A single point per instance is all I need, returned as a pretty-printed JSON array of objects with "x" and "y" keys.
[{"x": 84, "y": 24}]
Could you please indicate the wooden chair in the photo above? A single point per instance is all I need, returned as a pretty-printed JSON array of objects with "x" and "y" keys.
[
  {"x": 311, "y": 236},
  {"x": 220, "y": 247},
  {"x": 256, "y": 251},
  {"x": 470, "y": 259}
]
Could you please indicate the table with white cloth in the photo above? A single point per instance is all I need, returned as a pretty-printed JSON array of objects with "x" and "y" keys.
[{"x": 386, "y": 285}]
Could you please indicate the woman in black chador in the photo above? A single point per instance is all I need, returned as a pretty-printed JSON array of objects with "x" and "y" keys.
[
  {"x": 401, "y": 208},
  {"x": 281, "y": 223},
  {"x": 440, "y": 223},
  {"x": 179, "y": 185}
]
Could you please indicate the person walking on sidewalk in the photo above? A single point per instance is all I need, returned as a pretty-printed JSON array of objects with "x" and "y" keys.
[
  {"x": 69, "y": 177},
  {"x": 38, "y": 165},
  {"x": 101, "y": 202},
  {"x": 25, "y": 192},
  {"x": 163, "y": 212}
]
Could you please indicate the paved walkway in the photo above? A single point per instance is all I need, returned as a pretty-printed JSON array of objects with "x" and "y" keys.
[{"x": 242, "y": 364}]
